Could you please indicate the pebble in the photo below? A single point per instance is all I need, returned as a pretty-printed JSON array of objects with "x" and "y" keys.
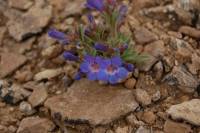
[
  {"x": 38, "y": 97},
  {"x": 142, "y": 97},
  {"x": 149, "y": 117},
  {"x": 188, "y": 111},
  {"x": 48, "y": 74},
  {"x": 20, "y": 4},
  {"x": 130, "y": 83},
  {"x": 144, "y": 36},
  {"x": 142, "y": 129},
  {"x": 174, "y": 127},
  {"x": 190, "y": 31},
  {"x": 26, "y": 108},
  {"x": 52, "y": 51},
  {"x": 6, "y": 63},
  {"x": 31, "y": 22}
]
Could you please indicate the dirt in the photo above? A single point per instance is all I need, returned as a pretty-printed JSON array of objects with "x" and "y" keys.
[{"x": 39, "y": 95}]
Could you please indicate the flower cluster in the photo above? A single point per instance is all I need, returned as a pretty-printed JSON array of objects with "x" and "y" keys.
[{"x": 104, "y": 53}]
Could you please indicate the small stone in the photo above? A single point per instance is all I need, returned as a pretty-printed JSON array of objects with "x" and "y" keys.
[
  {"x": 156, "y": 49},
  {"x": 35, "y": 125},
  {"x": 48, "y": 74},
  {"x": 12, "y": 129},
  {"x": 142, "y": 97},
  {"x": 26, "y": 108},
  {"x": 3, "y": 129},
  {"x": 174, "y": 127},
  {"x": 194, "y": 67},
  {"x": 122, "y": 129},
  {"x": 109, "y": 103},
  {"x": 6, "y": 63},
  {"x": 30, "y": 23},
  {"x": 156, "y": 96},
  {"x": 14, "y": 94},
  {"x": 20, "y": 4},
  {"x": 158, "y": 70},
  {"x": 23, "y": 76},
  {"x": 188, "y": 111},
  {"x": 38, "y": 97},
  {"x": 131, "y": 119},
  {"x": 149, "y": 117},
  {"x": 144, "y": 36},
  {"x": 181, "y": 78},
  {"x": 142, "y": 129},
  {"x": 130, "y": 83},
  {"x": 52, "y": 51},
  {"x": 192, "y": 32}
]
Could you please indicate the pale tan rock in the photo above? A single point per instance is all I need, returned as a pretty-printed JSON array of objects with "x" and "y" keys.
[
  {"x": 87, "y": 101},
  {"x": 190, "y": 31},
  {"x": 31, "y": 22},
  {"x": 174, "y": 127},
  {"x": 10, "y": 62},
  {"x": 38, "y": 97},
  {"x": 149, "y": 117},
  {"x": 20, "y": 4},
  {"x": 48, "y": 74},
  {"x": 35, "y": 125},
  {"x": 144, "y": 36},
  {"x": 130, "y": 83},
  {"x": 188, "y": 111},
  {"x": 142, "y": 97}
]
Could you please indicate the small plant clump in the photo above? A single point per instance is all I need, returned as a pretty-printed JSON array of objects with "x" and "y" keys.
[{"x": 104, "y": 53}]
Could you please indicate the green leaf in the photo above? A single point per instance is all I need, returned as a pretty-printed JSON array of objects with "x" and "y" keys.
[{"x": 133, "y": 57}]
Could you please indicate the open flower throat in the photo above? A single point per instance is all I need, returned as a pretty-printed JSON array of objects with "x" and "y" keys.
[{"x": 104, "y": 53}]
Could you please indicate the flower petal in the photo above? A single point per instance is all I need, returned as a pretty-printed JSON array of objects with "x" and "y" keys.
[
  {"x": 116, "y": 61},
  {"x": 95, "y": 4},
  {"x": 105, "y": 63},
  {"x": 70, "y": 56},
  {"x": 122, "y": 73},
  {"x": 92, "y": 76},
  {"x": 101, "y": 75},
  {"x": 113, "y": 79},
  {"x": 84, "y": 67},
  {"x": 89, "y": 58}
]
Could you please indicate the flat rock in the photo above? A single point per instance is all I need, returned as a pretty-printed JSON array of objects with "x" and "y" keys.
[
  {"x": 88, "y": 102},
  {"x": 188, "y": 111},
  {"x": 174, "y": 127},
  {"x": 10, "y": 62},
  {"x": 30, "y": 23},
  {"x": 192, "y": 32},
  {"x": 38, "y": 97},
  {"x": 48, "y": 74},
  {"x": 144, "y": 36},
  {"x": 20, "y": 4},
  {"x": 142, "y": 97},
  {"x": 35, "y": 125},
  {"x": 181, "y": 78}
]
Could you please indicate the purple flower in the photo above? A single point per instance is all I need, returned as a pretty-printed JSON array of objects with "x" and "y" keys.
[
  {"x": 91, "y": 67},
  {"x": 122, "y": 12},
  {"x": 78, "y": 75},
  {"x": 112, "y": 70},
  {"x": 129, "y": 67},
  {"x": 95, "y": 4},
  {"x": 101, "y": 47},
  {"x": 60, "y": 36},
  {"x": 70, "y": 56},
  {"x": 90, "y": 18}
]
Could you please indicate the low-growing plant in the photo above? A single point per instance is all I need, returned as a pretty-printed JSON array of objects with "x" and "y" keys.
[{"x": 104, "y": 53}]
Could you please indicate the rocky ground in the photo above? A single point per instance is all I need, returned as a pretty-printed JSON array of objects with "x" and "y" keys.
[{"x": 38, "y": 94}]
